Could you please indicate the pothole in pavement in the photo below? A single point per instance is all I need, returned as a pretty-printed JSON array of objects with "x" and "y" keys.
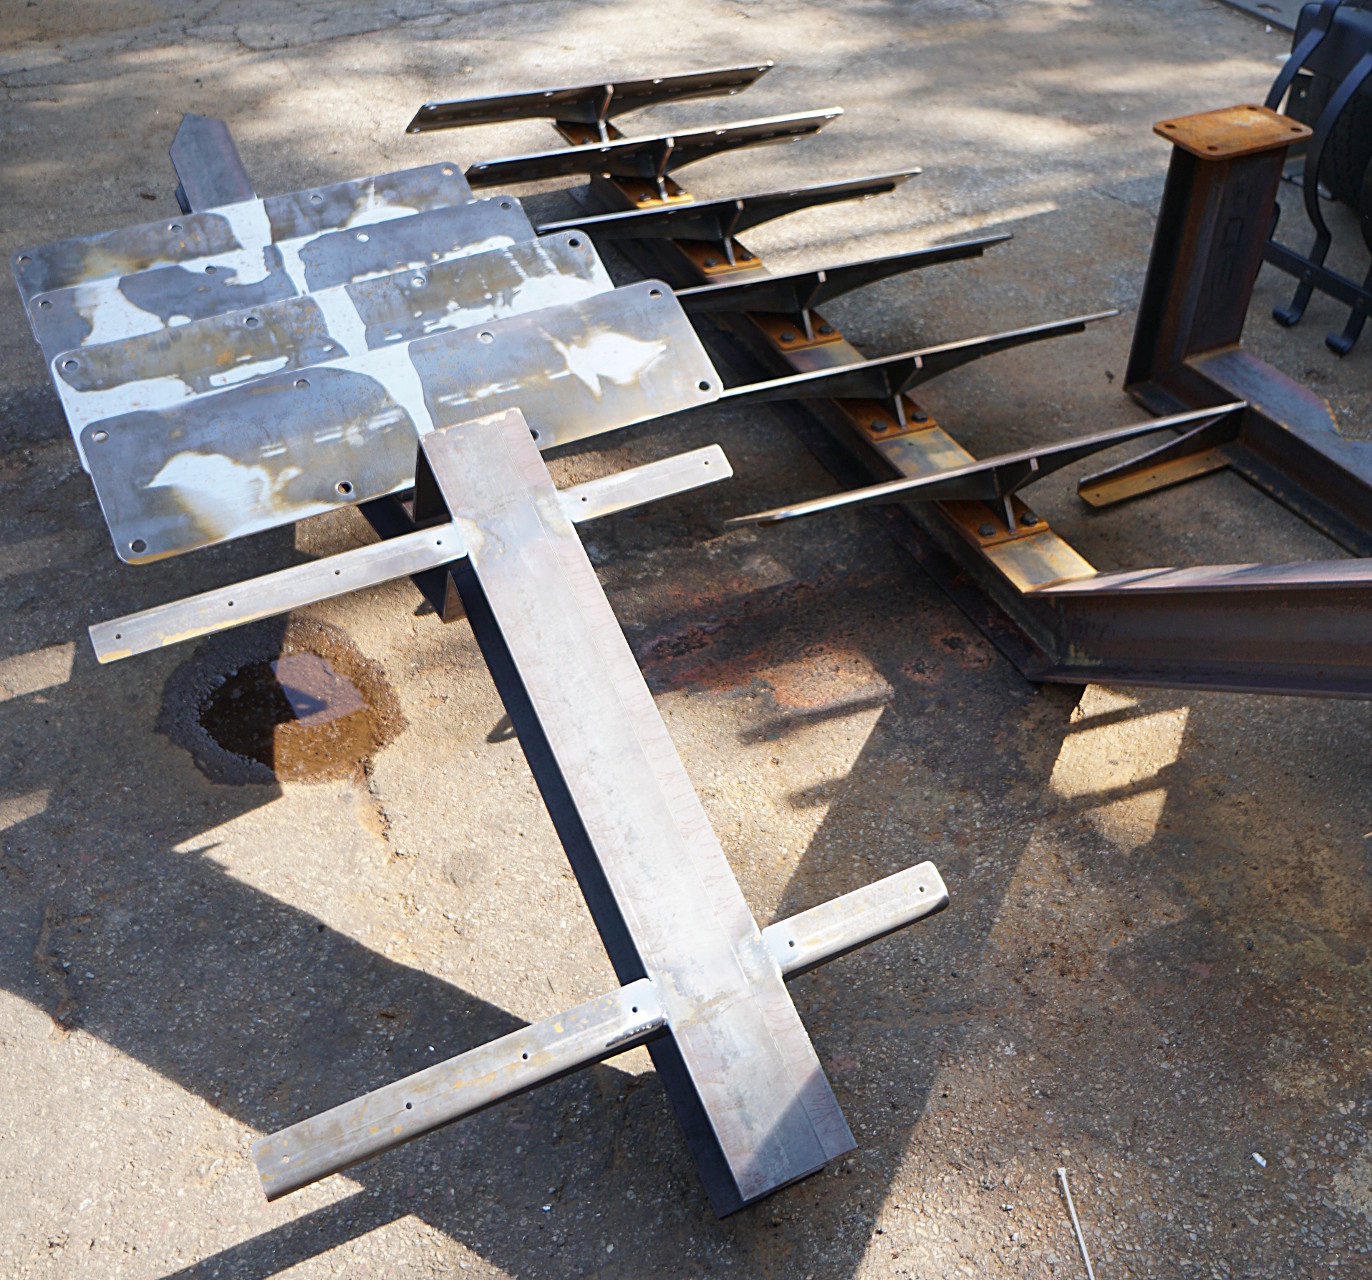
[{"x": 295, "y": 703}]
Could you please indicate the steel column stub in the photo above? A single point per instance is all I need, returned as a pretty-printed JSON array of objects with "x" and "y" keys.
[{"x": 703, "y": 986}]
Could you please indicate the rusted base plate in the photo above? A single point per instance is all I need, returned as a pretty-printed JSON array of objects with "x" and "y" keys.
[{"x": 1231, "y": 132}]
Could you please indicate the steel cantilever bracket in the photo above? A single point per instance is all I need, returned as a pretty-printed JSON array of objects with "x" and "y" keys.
[{"x": 703, "y": 987}]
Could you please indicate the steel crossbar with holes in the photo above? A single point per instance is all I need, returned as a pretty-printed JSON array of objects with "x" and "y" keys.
[{"x": 703, "y": 987}]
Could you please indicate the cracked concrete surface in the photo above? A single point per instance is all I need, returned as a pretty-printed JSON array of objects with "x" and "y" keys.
[{"x": 1155, "y": 964}]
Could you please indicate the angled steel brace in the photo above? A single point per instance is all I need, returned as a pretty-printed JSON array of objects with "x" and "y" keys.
[
  {"x": 714, "y": 220},
  {"x": 592, "y": 104},
  {"x": 719, "y": 221},
  {"x": 999, "y": 478},
  {"x": 891, "y": 377},
  {"x": 1194, "y": 453},
  {"x": 649, "y": 158},
  {"x": 801, "y": 291}
]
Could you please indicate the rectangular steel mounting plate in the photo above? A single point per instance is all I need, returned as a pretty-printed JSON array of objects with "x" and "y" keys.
[
  {"x": 157, "y": 370},
  {"x": 291, "y": 445},
  {"x": 249, "y": 224},
  {"x": 141, "y": 302}
]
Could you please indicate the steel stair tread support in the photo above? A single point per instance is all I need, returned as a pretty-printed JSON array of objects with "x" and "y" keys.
[
  {"x": 590, "y": 104},
  {"x": 935, "y": 542},
  {"x": 891, "y": 377},
  {"x": 799, "y": 292},
  {"x": 650, "y": 158},
  {"x": 717, "y": 222},
  {"x": 996, "y": 479},
  {"x": 625, "y": 810}
]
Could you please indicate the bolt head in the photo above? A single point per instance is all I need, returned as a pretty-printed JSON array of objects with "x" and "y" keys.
[
  {"x": 712, "y": 262},
  {"x": 986, "y": 530},
  {"x": 826, "y": 329},
  {"x": 787, "y": 336},
  {"x": 1028, "y": 519}
]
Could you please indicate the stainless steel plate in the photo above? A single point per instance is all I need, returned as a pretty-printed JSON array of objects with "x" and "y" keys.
[
  {"x": 249, "y": 224},
  {"x": 160, "y": 369},
  {"x": 122, "y": 306},
  {"x": 291, "y": 445}
]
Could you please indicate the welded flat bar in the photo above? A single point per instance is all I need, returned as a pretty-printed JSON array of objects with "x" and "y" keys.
[
  {"x": 716, "y": 220},
  {"x": 209, "y": 171},
  {"x": 889, "y": 376},
  {"x": 158, "y": 369},
  {"x": 397, "y": 1113},
  {"x": 378, "y": 562},
  {"x": 123, "y": 306},
  {"x": 738, "y": 1068},
  {"x": 587, "y": 103},
  {"x": 292, "y": 445},
  {"x": 995, "y": 477},
  {"x": 843, "y": 924},
  {"x": 801, "y": 290},
  {"x": 649, "y": 157},
  {"x": 1295, "y": 628},
  {"x": 249, "y": 225}
]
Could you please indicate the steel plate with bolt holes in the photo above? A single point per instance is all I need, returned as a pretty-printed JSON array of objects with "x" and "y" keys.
[
  {"x": 229, "y": 228},
  {"x": 117, "y": 307},
  {"x": 157, "y": 370},
  {"x": 291, "y": 445},
  {"x": 574, "y": 371}
]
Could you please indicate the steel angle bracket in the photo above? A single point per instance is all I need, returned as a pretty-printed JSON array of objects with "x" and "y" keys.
[
  {"x": 588, "y": 104},
  {"x": 649, "y": 159},
  {"x": 702, "y": 986}
]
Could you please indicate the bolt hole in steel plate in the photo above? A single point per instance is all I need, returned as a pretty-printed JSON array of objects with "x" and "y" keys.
[{"x": 265, "y": 454}]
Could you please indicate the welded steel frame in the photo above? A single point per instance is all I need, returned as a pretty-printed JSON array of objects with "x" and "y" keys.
[{"x": 1278, "y": 629}]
